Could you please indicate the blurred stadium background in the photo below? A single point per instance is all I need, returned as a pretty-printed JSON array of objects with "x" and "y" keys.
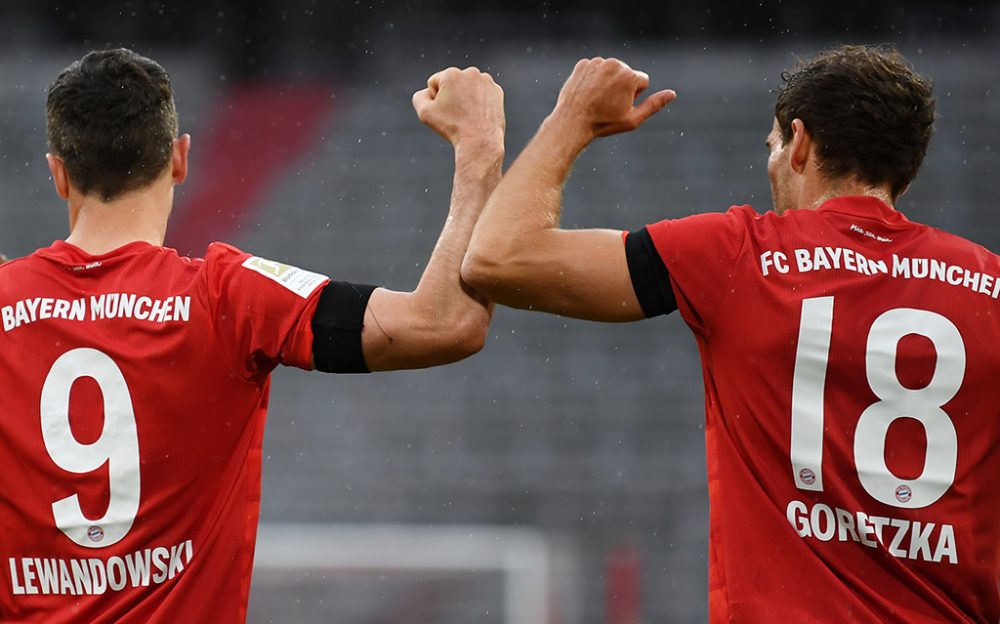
[{"x": 570, "y": 451}]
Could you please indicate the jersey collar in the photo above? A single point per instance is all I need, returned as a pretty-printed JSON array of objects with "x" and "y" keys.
[
  {"x": 865, "y": 207},
  {"x": 72, "y": 256}
]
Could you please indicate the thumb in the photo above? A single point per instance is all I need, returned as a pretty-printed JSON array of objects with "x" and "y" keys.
[{"x": 652, "y": 105}]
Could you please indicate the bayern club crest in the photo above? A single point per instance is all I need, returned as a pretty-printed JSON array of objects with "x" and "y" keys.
[
  {"x": 95, "y": 533},
  {"x": 808, "y": 476},
  {"x": 904, "y": 493}
]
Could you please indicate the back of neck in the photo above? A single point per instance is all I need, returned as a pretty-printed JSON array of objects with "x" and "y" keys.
[{"x": 98, "y": 227}]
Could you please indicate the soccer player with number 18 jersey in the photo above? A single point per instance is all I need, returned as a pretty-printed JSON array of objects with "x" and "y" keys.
[
  {"x": 849, "y": 354},
  {"x": 137, "y": 379}
]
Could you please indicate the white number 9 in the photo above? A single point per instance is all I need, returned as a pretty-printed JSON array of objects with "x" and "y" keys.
[{"x": 118, "y": 446}]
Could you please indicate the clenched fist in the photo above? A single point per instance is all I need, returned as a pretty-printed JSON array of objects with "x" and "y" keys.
[
  {"x": 600, "y": 96},
  {"x": 462, "y": 105}
]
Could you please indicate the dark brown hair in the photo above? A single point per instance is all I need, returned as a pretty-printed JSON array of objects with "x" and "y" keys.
[
  {"x": 869, "y": 112},
  {"x": 111, "y": 118}
]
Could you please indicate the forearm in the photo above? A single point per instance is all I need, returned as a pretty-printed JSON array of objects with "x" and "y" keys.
[
  {"x": 529, "y": 198},
  {"x": 518, "y": 255},
  {"x": 524, "y": 209},
  {"x": 440, "y": 290},
  {"x": 443, "y": 320}
]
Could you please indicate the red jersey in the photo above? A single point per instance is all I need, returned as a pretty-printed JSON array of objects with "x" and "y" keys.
[
  {"x": 853, "y": 425},
  {"x": 134, "y": 404}
]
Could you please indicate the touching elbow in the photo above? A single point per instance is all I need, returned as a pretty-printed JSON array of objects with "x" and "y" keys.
[
  {"x": 482, "y": 273},
  {"x": 476, "y": 338},
  {"x": 453, "y": 334},
  {"x": 471, "y": 335}
]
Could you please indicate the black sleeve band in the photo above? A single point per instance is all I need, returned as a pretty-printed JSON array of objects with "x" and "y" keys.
[
  {"x": 649, "y": 275},
  {"x": 337, "y": 324}
]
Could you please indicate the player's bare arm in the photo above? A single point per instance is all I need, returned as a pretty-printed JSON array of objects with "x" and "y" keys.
[
  {"x": 443, "y": 319},
  {"x": 519, "y": 256}
]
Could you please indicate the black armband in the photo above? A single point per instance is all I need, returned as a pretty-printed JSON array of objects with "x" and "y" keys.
[
  {"x": 650, "y": 278},
  {"x": 337, "y": 325}
]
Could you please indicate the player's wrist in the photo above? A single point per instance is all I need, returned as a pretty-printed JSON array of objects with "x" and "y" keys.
[
  {"x": 560, "y": 140},
  {"x": 571, "y": 128},
  {"x": 483, "y": 153},
  {"x": 480, "y": 143}
]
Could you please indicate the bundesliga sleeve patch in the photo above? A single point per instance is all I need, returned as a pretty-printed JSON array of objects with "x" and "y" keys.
[{"x": 299, "y": 281}]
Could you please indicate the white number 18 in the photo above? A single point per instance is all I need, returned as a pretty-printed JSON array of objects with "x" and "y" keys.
[
  {"x": 895, "y": 401},
  {"x": 118, "y": 446}
]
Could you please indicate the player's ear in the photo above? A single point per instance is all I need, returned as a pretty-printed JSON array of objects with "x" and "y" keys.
[
  {"x": 801, "y": 147},
  {"x": 60, "y": 179},
  {"x": 179, "y": 160}
]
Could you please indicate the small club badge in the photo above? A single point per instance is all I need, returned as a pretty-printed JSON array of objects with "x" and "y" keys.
[
  {"x": 904, "y": 493},
  {"x": 95, "y": 533},
  {"x": 808, "y": 476}
]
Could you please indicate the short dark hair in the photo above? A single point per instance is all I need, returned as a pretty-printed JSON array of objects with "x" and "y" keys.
[
  {"x": 111, "y": 118},
  {"x": 871, "y": 114}
]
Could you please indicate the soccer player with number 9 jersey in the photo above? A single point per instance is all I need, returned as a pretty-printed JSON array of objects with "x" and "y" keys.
[
  {"x": 136, "y": 380},
  {"x": 849, "y": 354}
]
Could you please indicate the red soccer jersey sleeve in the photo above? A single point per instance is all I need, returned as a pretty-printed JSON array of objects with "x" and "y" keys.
[
  {"x": 262, "y": 309},
  {"x": 849, "y": 363},
  {"x": 700, "y": 253},
  {"x": 133, "y": 419}
]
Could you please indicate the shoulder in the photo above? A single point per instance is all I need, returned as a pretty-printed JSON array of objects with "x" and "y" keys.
[
  {"x": 33, "y": 264},
  {"x": 734, "y": 217},
  {"x": 228, "y": 267},
  {"x": 951, "y": 239},
  {"x": 730, "y": 226},
  {"x": 219, "y": 247},
  {"x": 224, "y": 254},
  {"x": 959, "y": 244},
  {"x": 219, "y": 251},
  {"x": 741, "y": 213},
  {"x": 225, "y": 258},
  {"x": 16, "y": 264}
]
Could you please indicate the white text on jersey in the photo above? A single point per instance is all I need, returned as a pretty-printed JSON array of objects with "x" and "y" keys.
[
  {"x": 924, "y": 541},
  {"x": 77, "y": 577},
  {"x": 831, "y": 258},
  {"x": 97, "y": 307}
]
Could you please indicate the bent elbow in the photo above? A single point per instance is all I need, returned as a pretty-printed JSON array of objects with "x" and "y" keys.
[
  {"x": 476, "y": 337},
  {"x": 482, "y": 273},
  {"x": 469, "y": 346},
  {"x": 455, "y": 337},
  {"x": 474, "y": 270},
  {"x": 471, "y": 336}
]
